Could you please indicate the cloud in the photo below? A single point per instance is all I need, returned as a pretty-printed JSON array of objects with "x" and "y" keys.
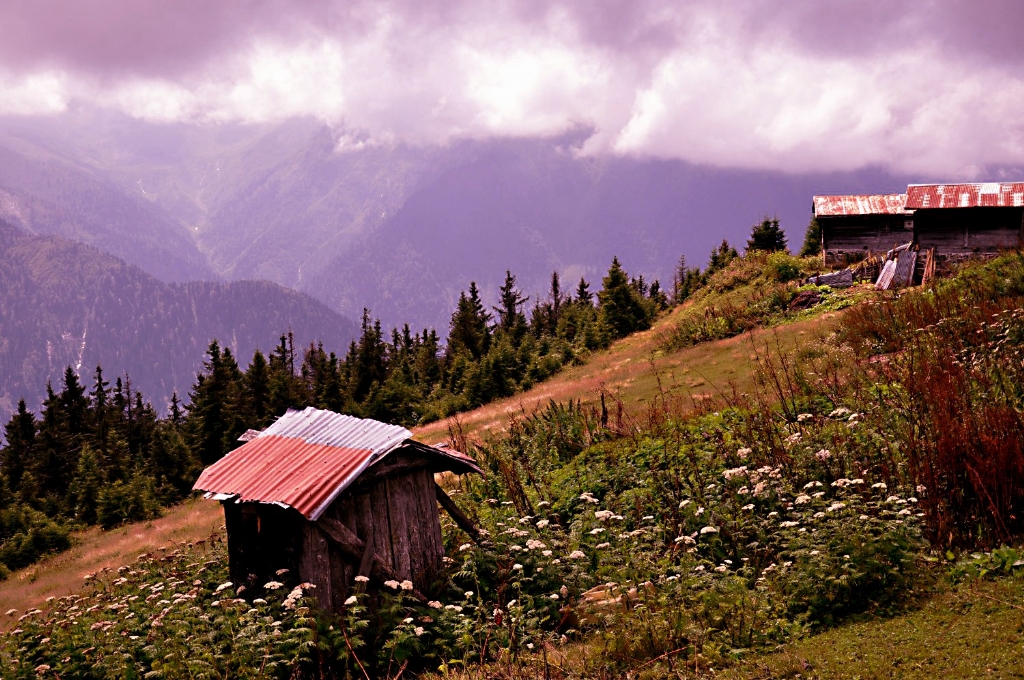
[{"x": 926, "y": 87}]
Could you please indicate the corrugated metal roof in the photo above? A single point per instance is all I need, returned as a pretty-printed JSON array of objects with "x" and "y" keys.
[
  {"x": 988, "y": 194},
  {"x": 307, "y": 458},
  {"x": 878, "y": 204}
]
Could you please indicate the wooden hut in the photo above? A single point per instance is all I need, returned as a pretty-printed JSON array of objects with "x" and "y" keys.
[
  {"x": 330, "y": 497},
  {"x": 854, "y": 226},
  {"x": 961, "y": 220}
]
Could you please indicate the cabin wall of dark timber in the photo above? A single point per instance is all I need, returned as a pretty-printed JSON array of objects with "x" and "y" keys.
[
  {"x": 261, "y": 540},
  {"x": 963, "y": 231},
  {"x": 393, "y": 505},
  {"x": 398, "y": 514},
  {"x": 852, "y": 237}
]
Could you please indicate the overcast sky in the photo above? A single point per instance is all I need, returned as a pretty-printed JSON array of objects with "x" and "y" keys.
[{"x": 916, "y": 87}]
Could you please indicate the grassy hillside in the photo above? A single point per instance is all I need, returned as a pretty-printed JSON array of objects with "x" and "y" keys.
[{"x": 813, "y": 521}]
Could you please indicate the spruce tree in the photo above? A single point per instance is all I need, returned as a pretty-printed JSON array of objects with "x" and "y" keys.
[
  {"x": 767, "y": 236},
  {"x": 622, "y": 309},
  {"x": 720, "y": 258},
  {"x": 583, "y": 294},
  {"x": 812, "y": 239},
  {"x": 468, "y": 330},
  {"x": 509, "y": 309},
  {"x": 18, "y": 455}
]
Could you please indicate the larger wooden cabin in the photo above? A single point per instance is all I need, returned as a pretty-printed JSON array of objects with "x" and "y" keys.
[
  {"x": 330, "y": 497},
  {"x": 956, "y": 220},
  {"x": 960, "y": 220}
]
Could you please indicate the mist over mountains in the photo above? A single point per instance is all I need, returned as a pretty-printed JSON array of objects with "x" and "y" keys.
[{"x": 399, "y": 229}]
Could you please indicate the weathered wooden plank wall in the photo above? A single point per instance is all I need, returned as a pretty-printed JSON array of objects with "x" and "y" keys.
[
  {"x": 955, "y": 231},
  {"x": 857, "y": 235}
]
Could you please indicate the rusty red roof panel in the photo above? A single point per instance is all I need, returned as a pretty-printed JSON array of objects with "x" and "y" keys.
[
  {"x": 284, "y": 470},
  {"x": 988, "y": 194},
  {"x": 864, "y": 204},
  {"x": 307, "y": 458}
]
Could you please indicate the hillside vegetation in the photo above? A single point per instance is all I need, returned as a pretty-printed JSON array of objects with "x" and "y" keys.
[{"x": 855, "y": 477}]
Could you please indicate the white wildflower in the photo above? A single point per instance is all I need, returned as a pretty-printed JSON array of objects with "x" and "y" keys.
[
  {"x": 517, "y": 567},
  {"x": 223, "y": 586},
  {"x": 576, "y": 555},
  {"x": 273, "y": 585},
  {"x": 804, "y": 416},
  {"x": 708, "y": 530},
  {"x": 749, "y": 506},
  {"x": 362, "y": 579},
  {"x": 595, "y": 532},
  {"x": 879, "y": 485},
  {"x": 744, "y": 452},
  {"x": 553, "y": 596},
  {"x": 543, "y": 523},
  {"x": 545, "y": 553},
  {"x": 811, "y": 485},
  {"x": 721, "y": 569},
  {"x": 836, "y": 506},
  {"x": 841, "y": 411},
  {"x": 817, "y": 494},
  {"x": 465, "y": 546},
  {"x": 823, "y": 454},
  {"x": 802, "y": 499},
  {"x": 683, "y": 503},
  {"x": 601, "y": 546},
  {"x": 407, "y": 620},
  {"x": 788, "y": 524},
  {"x": 418, "y": 630},
  {"x": 735, "y": 472},
  {"x": 391, "y": 584},
  {"x": 603, "y": 515},
  {"x": 405, "y": 585},
  {"x": 352, "y": 599}
]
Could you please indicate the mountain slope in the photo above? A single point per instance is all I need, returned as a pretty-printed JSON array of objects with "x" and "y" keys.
[{"x": 62, "y": 303}]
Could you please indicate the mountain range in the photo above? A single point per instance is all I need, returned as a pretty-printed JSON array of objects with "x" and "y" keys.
[
  {"x": 357, "y": 222},
  {"x": 63, "y": 304}
]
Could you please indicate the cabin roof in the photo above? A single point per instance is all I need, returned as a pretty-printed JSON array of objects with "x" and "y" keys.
[
  {"x": 860, "y": 204},
  {"x": 984, "y": 195},
  {"x": 307, "y": 458}
]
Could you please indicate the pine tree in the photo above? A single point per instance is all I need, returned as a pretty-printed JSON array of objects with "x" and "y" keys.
[
  {"x": 469, "y": 330},
  {"x": 767, "y": 236},
  {"x": 583, "y": 294},
  {"x": 211, "y": 405},
  {"x": 257, "y": 387},
  {"x": 85, "y": 488},
  {"x": 509, "y": 309},
  {"x": 812, "y": 239},
  {"x": 18, "y": 455},
  {"x": 720, "y": 258},
  {"x": 685, "y": 281},
  {"x": 622, "y": 309}
]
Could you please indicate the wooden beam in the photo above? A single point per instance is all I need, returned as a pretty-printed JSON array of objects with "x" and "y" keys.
[
  {"x": 355, "y": 548},
  {"x": 456, "y": 514}
]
